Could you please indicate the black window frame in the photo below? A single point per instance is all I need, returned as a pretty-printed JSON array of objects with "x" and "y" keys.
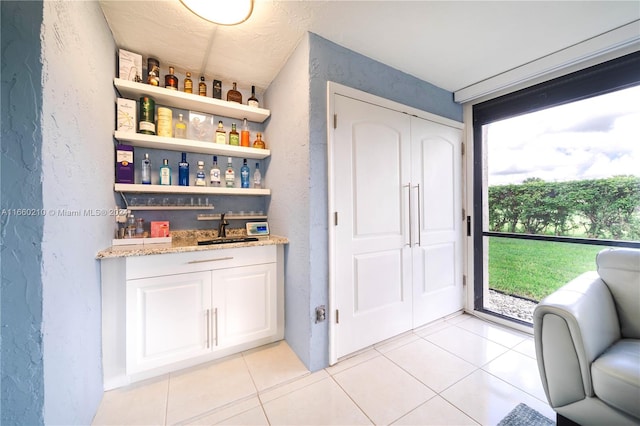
[{"x": 607, "y": 77}]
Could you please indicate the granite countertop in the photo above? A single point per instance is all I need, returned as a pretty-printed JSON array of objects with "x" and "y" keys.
[{"x": 187, "y": 241}]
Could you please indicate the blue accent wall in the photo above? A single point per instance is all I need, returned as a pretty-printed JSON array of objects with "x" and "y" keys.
[
  {"x": 298, "y": 171},
  {"x": 22, "y": 380}
]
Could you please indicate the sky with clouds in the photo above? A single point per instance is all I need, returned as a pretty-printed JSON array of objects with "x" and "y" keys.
[{"x": 590, "y": 139}]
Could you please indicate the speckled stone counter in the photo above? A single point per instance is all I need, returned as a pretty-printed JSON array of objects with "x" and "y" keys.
[{"x": 187, "y": 241}]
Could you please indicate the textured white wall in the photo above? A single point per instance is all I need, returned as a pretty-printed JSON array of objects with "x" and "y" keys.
[
  {"x": 287, "y": 132},
  {"x": 78, "y": 55}
]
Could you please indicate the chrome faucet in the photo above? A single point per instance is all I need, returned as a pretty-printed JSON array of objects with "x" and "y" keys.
[{"x": 222, "y": 227}]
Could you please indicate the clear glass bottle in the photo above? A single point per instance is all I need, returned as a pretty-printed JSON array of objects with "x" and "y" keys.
[
  {"x": 146, "y": 170},
  {"x": 233, "y": 95},
  {"x": 230, "y": 174},
  {"x": 234, "y": 136},
  {"x": 165, "y": 173},
  {"x": 170, "y": 80},
  {"x": 188, "y": 83},
  {"x": 253, "y": 101},
  {"x": 202, "y": 87},
  {"x": 244, "y": 174},
  {"x": 257, "y": 177},
  {"x": 214, "y": 174},
  {"x": 244, "y": 134},
  {"x": 183, "y": 171},
  {"x": 259, "y": 143},
  {"x": 221, "y": 135},
  {"x": 200, "y": 176},
  {"x": 181, "y": 128}
]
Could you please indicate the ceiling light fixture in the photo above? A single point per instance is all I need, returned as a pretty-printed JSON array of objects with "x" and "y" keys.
[{"x": 222, "y": 12}]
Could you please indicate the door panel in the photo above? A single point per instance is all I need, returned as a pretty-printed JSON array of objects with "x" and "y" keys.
[
  {"x": 437, "y": 260},
  {"x": 371, "y": 163}
]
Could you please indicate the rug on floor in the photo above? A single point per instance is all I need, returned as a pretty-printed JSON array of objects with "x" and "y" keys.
[{"x": 523, "y": 415}]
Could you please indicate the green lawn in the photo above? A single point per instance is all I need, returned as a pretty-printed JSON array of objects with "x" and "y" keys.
[{"x": 534, "y": 269}]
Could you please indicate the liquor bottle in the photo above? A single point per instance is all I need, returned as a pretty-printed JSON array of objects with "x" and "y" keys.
[
  {"x": 230, "y": 174},
  {"x": 188, "y": 84},
  {"x": 221, "y": 135},
  {"x": 259, "y": 143},
  {"x": 153, "y": 68},
  {"x": 181, "y": 128},
  {"x": 170, "y": 80},
  {"x": 234, "y": 136},
  {"x": 147, "y": 124},
  {"x": 257, "y": 177},
  {"x": 217, "y": 89},
  {"x": 233, "y": 95},
  {"x": 202, "y": 87},
  {"x": 165, "y": 173},
  {"x": 146, "y": 170},
  {"x": 253, "y": 101},
  {"x": 214, "y": 175},
  {"x": 244, "y": 134},
  {"x": 244, "y": 174},
  {"x": 200, "y": 176},
  {"x": 183, "y": 171}
]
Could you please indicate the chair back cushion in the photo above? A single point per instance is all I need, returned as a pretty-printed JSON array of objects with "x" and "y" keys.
[{"x": 619, "y": 268}]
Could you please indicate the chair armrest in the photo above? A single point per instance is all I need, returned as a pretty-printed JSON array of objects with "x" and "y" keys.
[{"x": 572, "y": 327}]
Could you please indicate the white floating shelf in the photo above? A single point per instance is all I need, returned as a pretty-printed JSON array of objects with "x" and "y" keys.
[
  {"x": 189, "y": 101},
  {"x": 209, "y": 207},
  {"x": 188, "y": 145},
  {"x": 233, "y": 217},
  {"x": 176, "y": 189}
]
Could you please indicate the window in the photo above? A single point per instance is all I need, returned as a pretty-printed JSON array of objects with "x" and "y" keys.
[{"x": 556, "y": 178}]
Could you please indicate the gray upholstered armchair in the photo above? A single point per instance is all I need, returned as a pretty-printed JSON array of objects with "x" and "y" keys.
[{"x": 587, "y": 337}]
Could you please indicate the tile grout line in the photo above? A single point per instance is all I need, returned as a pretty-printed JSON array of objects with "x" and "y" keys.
[
  {"x": 351, "y": 399},
  {"x": 166, "y": 402}
]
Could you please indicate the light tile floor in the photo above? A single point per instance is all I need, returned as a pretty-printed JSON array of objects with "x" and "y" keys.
[{"x": 462, "y": 371}]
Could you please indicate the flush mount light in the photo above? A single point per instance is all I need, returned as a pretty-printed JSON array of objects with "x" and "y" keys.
[{"x": 222, "y": 12}]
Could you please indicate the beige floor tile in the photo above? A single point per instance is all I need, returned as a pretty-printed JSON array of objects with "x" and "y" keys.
[
  {"x": 396, "y": 342},
  {"x": 487, "y": 399},
  {"x": 469, "y": 346},
  {"x": 430, "y": 364},
  {"x": 205, "y": 388},
  {"x": 436, "y": 412},
  {"x": 518, "y": 370},
  {"x": 139, "y": 404},
  {"x": 432, "y": 328},
  {"x": 383, "y": 390},
  {"x": 255, "y": 416},
  {"x": 273, "y": 364},
  {"x": 528, "y": 348},
  {"x": 278, "y": 391},
  {"x": 493, "y": 332},
  {"x": 321, "y": 403},
  {"x": 352, "y": 361},
  {"x": 459, "y": 318},
  {"x": 230, "y": 411}
]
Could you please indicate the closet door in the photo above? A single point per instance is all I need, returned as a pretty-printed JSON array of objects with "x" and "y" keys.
[
  {"x": 436, "y": 202},
  {"x": 372, "y": 257}
]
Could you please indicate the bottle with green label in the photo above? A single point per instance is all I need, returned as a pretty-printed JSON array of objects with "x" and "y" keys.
[{"x": 234, "y": 136}]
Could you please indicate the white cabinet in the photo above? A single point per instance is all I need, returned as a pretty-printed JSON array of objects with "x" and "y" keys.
[
  {"x": 168, "y": 319},
  {"x": 165, "y": 312}
]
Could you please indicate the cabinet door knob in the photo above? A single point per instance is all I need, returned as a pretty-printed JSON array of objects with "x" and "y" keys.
[{"x": 211, "y": 260}]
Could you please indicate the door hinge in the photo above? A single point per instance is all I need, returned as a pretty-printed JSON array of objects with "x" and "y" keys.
[
  {"x": 335, "y": 121},
  {"x": 464, "y": 214},
  {"x": 462, "y": 149},
  {"x": 464, "y": 281},
  {"x": 337, "y": 316},
  {"x": 468, "y": 226},
  {"x": 335, "y": 218}
]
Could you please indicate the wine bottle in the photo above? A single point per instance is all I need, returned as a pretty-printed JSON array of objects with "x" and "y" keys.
[{"x": 253, "y": 101}]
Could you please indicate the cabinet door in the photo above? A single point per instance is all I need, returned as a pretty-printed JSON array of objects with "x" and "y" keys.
[
  {"x": 245, "y": 304},
  {"x": 169, "y": 319}
]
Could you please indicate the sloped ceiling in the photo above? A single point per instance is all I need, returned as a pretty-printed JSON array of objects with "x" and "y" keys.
[{"x": 452, "y": 44}]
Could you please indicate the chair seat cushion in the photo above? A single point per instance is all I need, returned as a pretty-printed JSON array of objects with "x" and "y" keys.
[{"x": 616, "y": 376}]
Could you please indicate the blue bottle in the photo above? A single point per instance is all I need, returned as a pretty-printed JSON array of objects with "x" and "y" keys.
[
  {"x": 183, "y": 171},
  {"x": 244, "y": 175}
]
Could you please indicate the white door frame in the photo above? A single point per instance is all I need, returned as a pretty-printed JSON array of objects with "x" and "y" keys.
[{"x": 332, "y": 90}]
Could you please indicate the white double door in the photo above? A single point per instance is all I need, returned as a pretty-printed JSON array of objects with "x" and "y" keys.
[{"x": 397, "y": 245}]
